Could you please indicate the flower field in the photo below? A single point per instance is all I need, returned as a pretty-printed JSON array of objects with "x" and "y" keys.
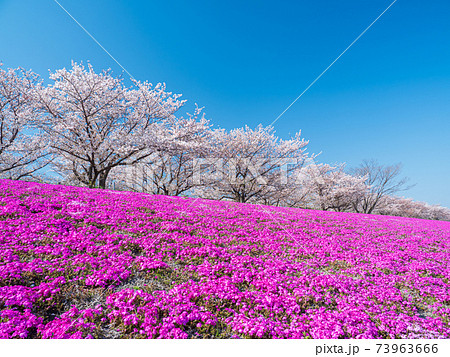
[{"x": 88, "y": 263}]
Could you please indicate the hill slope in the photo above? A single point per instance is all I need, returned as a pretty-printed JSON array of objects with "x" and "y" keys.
[{"x": 78, "y": 262}]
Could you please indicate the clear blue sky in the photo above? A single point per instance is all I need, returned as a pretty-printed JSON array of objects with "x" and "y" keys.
[{"x": 387, "y": 98}]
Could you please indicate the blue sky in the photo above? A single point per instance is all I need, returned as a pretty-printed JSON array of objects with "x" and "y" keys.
[{"x": 387, "y": 98}]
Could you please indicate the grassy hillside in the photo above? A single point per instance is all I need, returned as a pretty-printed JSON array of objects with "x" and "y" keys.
[{"x": 79, "y": 263}]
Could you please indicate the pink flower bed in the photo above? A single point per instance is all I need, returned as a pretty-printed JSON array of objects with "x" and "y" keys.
[{"x": 85, "y": 263}]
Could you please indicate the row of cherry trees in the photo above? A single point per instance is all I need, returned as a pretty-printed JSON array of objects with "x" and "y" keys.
[{"x": 90, "y": 129}]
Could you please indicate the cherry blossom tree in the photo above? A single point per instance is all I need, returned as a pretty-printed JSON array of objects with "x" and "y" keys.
[
  {"x": 169, "y": 171},
  {"x": 95, "y": 123},
  {"x": 329, "y": 188},
  {"x": 382, "y": 180},
  {"x": 22, "y": 152},
  {"x": 247, "y": 164},
  {"x": 438, "y": 212}
]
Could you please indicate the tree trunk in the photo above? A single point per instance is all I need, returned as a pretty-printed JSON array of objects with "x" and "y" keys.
[{"x": 102, "y": 178}]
